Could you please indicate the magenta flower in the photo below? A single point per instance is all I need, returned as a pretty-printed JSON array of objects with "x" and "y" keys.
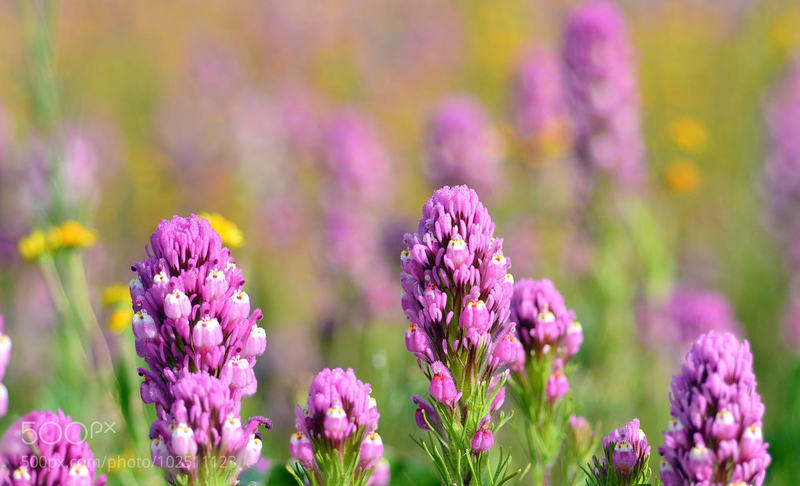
[
  {"x": 602, "y": 91},
  {"x": 45, "y": 448},
  {"x": 781, "y": 168},
  {"x": 461, "y": 145},
  {"x": 625, "y": 457},
  {"x": 715, "y": 433},
  {"x": 195, "y": 331},
  {"x": 338, "y": 425},
  {"x": 689, "y": 313},
  {"x": 538, "y": 103},
  {"x": 545, "y": 326},
  {"x": 456, "y": 294}
]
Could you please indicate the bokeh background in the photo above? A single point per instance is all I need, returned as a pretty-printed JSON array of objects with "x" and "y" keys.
[{"x": 244, "y": 108}]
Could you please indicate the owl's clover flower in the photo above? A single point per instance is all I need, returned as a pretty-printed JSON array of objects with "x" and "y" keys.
[
  {"x": 336, "y": 440},
  {"x": 194, "y": 328},
  {"x": 602, "y": 91},
  {"x": 538, "y": 104},
  {"x": 45, "y": 448},
  {"x": 781, "y": 174},
  {"x": 715, "y": 435},
  {"x": 625, "y": 457},
  {"x": 456, "y": 295},
  {"x": 461, "y": 145}
]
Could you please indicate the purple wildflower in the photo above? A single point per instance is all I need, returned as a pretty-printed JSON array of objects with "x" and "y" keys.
[
  {"x": 45, "y": 448},
  {"x": 462, "y": 147},
  {"x": 454, "y": 266},
  {"x": 602, "y": 91},
  {"x": 715, "y": 433},
  {"x": 195, "y": 331},
  {"x": 626, "y": 454},
  {"x": 338, "y": 423},
  {"x": 782, "y": 174},
  {"x": 538, "y": 104},
  {"x": 546, "y": 327}
]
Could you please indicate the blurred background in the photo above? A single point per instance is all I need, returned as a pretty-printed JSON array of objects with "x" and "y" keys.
[{"x": 319, "y": 129}]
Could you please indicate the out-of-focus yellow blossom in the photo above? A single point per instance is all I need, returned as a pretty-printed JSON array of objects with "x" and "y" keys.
[
  {"x": 118, "y": 297},
  {"x": 554, "y": 140},
  {"x": 33, "y": 245},
  {"x": 784, "y": 32},
  {"x": 230, "y": 233},
  {"x": 70, "y": 234},
  {"x": 689, "y": 134},
  {"x": 120, "y": 319},
  {"x": 682, "y": 176},
  {"x": 116, "y": 294}
]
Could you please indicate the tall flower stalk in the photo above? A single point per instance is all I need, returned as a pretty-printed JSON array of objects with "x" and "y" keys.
[
  {"x": 456, "y": 295},
  {"x": 547, "y": 337},
  {"x": 196, "y": 333}
]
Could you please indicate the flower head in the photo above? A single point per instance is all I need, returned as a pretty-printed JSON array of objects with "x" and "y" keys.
[
  {"x": 715, "y": 432},
  {"x": 626, "y": 454},
  {"x": 546, "y": 327},
  {"x": 602, "y": 91},
  {"x": 45, "y": 448},
  {"x": 338, "y": 423},
  {"x": 462, "y": 147},
  {"x": 538, "y": 105}
]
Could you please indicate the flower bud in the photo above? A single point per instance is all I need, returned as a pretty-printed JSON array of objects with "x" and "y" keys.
[
  {"x": 78, "y": 475},
  {"x": 241, "y": 373},
  {"x": 557, "y": 386},
  {"x": 624, "y": 457},
  {"x": 207, "y": 334},
  {"x": 416, "y": 340},
  {"x": 371, "y": 450},
  {"x": 251, "y": 453},
  {"x": 381, "y": 475},
  {"x": 443, "y": 388},
  {"x": 483, "y": 440},
  {"x": 573, "y": 339},
  {"x": 216, "y": 284},
  {"x": 475, "y": 319},
  {"x": 725, "y": 425},
  {"x": 752, "y": 441},
  {"x": 457, "y": 251},
  {"x": 256, "y": 342},
  {"x": 336, "y": 423},
  {"x": 144, "y": 327},
  {"x": 701, "y": 464},
  {"x": 232, "y": 434},
  {"x": 240, "y": 305},
  {"x": 301, "y": 449},
  {"x": 177, "y": 305},
  {"x": 182, "y": 442}
]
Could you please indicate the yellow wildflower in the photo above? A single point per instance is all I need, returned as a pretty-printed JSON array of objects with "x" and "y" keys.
[
  {"x": 682, "y": 176},
  {"x": 72, "y": 234},
  {"x": 33, "y": 245},
  {"x": 230, "y": 233},
  {"x": 120, "y": 319},
  {"x": 116, "y": 294},
  {"x": 689, "y": 134}
]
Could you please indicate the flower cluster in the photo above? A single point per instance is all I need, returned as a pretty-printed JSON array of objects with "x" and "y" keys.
[
  {"x": 456, "y": 294},
  {"x": 336, "y": 442},
  {"x": 715, "y": 434},
  {"x": 195, "y": 331},
  {"x": 69, "y": 234},
  {"x": 356, "y": 196},
  {"x": 5, "y": 357},
  {"x": 462, "y": 147},
  {"x": 689, "y": 313},
  {"x": 782, "y": 177},
  {"x": 602, "y": 91},
  {"x": 538, "y": 105},
  {"x": 625, "y": 458},
  {"x": 45, "y": 448},
  {"x": 547, "y": 331}
]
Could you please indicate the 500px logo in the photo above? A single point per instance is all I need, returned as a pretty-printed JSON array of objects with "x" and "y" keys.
[{"x": 73, "y": 433}]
